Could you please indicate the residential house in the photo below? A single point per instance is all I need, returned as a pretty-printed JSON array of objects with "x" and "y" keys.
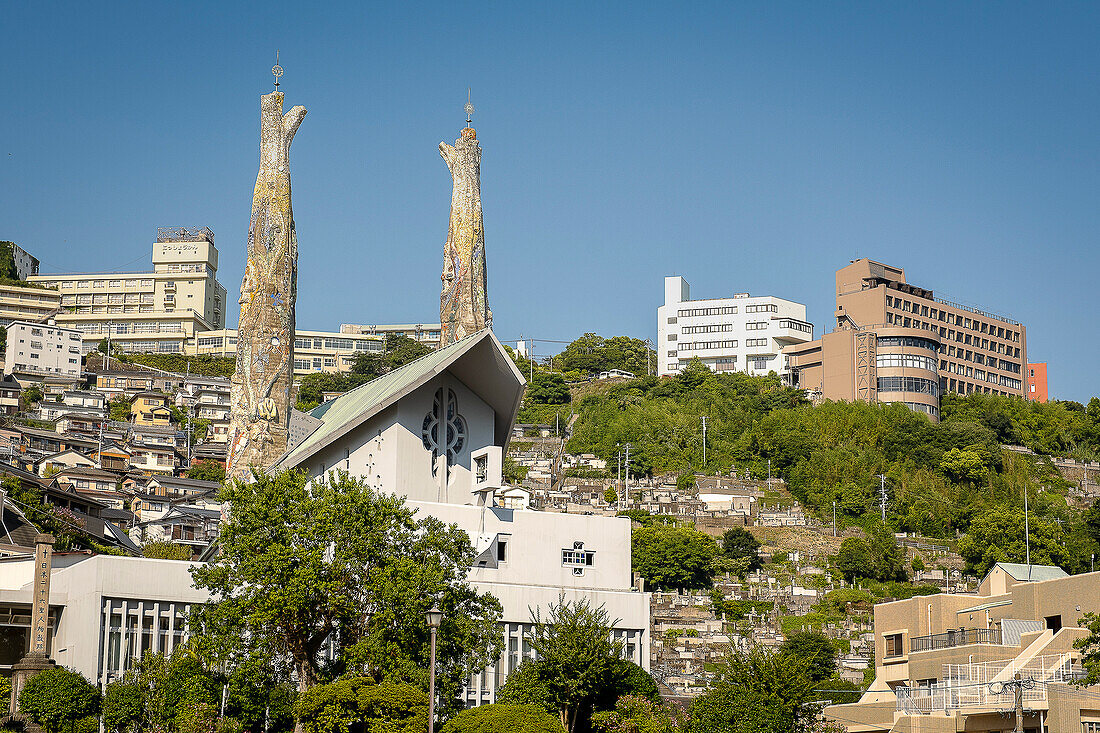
[
  {"x": 949, "y": 662},
  {"x": 85, "y": 480},
  {"x": 10, "y": 390},
  {"x": 150, "y": 408},
  {"x": 62, "y": 460}
]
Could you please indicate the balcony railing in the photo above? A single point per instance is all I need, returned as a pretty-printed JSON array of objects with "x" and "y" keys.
[{"x": 955, "y": 637}]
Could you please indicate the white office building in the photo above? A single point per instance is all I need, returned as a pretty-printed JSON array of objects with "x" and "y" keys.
[
  {"x": 36, "y": 351},
  {"x": 743, "y": 333}
]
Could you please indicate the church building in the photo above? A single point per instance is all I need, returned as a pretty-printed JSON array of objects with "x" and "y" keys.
[{"x": 434, "y": 432}]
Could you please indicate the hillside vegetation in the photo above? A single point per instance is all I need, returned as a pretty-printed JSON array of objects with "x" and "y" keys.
[{"x": 942, "y": 479}]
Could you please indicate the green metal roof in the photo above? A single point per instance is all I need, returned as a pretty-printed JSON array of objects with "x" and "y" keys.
[
  {"x": 1033, "y": 573},
  {"x": 343, "y": 414}
]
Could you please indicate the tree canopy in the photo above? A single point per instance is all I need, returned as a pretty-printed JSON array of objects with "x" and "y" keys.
[
  {"x": 578, "y": 668},
  {"x": 592, "y": 354},
  {"x": 400, "y": 350},
  {"x": 739, "y": 543},
  {"x": 303, "y": 568},
  {"x": 671, "y": 557}
]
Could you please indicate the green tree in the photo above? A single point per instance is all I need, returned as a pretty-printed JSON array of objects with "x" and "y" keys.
[
  {"x": 815, "y": 651},
  {"x": 502, "y": 718},
  {"x": 1090, "y": 648},
  {"x": 965, "y": 465},
  {"x": 754, "y": 691},
  {"x": 8, "y": 270},
  {"x": 346, "y": 704},
  {"x": 207, "y": 470},
  {"x": 304, "y": 567},
  {"x": 578, "y": 668},
  {"x": 673, "y": 557},
  {"x": 260, "y": 698},
  {"x": 878, "y": 557},
  {"x": 57, "y": 698},
  {"x": 610, "y": 495},
  {"x": 997, "y": 535},
  {"x": 165, "y": 550},
  {"x": 123, "y": 707},
  {"x": 548, "y": 389},
  {"x": 634, "y": 714},
  {"x": 119, "y": 409},
  {"x": 32, "y": 394},
  {"x": 592, "y": 354},
  {"x": 738, "y": 543}
]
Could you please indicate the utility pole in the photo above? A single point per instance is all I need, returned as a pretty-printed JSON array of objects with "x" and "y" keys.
[
  {"x": 619, "y": 458},
  {"x": 626, "y": 486},
  {"x": 1027, "y": 537},
  {"x": 704, "y": 444},
  {"x": 1019, "y": 695},
  {"x": 882, "y": 495},
  {"x": 834, "y": 517},
  {"x": 649, "y": 373},
  {"x": 769, "y": 474}
]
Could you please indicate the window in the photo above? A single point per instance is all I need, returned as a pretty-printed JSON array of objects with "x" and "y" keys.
[
  {"x": 756, "y": 342},
  {"x": 909, "y": 384},
  {"x": 761, "y": 309},
  {"x": 756, "y": 326},
  {"x": 577, "y": 557},
  {"x": 502, "y": 551},
  {"x": 911, "y": 361},
  {"x": 723, "y": 311},
  {"x": 914, "y": 341},
  {"x": 893, "y": 645}
]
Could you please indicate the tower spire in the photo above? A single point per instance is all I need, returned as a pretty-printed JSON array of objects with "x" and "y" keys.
[
  {"x": 276, "y": 70},
  {"x": 464, "y": 300},
  {"x": 259, "y": 417}
]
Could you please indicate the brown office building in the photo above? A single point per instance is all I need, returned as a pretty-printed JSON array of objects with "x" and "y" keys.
[{"x": 896, "y": 342}]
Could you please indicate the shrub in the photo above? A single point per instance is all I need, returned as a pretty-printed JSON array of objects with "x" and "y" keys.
[
  {"x": 57, "y": 698},
  {"x": 503, "y": 718}
]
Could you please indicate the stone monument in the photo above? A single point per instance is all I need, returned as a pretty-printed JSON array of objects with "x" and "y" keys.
[
  {"x": 464, "y": 301},
  {"x": 36, "y": 658},
  {"x": 260, "y": 392}
]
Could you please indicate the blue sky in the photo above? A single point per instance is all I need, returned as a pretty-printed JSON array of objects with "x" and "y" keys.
[{"x": 749, "y": 147}]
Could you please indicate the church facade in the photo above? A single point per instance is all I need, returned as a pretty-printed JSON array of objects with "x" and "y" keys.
[{"x": 434, "y": 432}]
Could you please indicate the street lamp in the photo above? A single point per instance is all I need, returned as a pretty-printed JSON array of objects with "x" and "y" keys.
[{"x": 434, "y": 617}]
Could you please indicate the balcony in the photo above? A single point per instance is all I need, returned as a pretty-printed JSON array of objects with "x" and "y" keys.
[{"x": 954, "y": 637}]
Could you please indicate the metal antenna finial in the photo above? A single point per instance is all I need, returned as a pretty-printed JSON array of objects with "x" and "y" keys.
[
  {"x": 277, "y": 70},
  {"x": 469, "y": 108}
]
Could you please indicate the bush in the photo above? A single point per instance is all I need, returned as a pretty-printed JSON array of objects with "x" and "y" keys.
[
  {"x": 503, "y": 718},
  {"x": 57, "y": 698},
  {"x": 390, "y": 707},
  {"x": 164, "y": 550},
  {"x": 123, "y": 706}
]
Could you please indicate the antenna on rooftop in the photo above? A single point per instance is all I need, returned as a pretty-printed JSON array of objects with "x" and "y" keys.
[{"x": 469, "y": 108}]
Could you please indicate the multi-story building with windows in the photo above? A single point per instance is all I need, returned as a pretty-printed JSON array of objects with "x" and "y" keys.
[
  {"x": 896, "y": 342},
  {"x": 949, "y": 662},
  {"x": 39, "y": 351},
  {"x": 158, "y": 311},
  {"x": 314, "y": 351},
  {"x": 21, "y": 303},
  {"x": 744, "y": 333},
  {"x": 1037, "y": 382},
  {"x": 425, "y": 333}
]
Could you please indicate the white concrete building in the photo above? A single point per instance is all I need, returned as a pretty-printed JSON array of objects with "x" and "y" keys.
[
  {"x": 39, "y": 350},
  {"x": 105, "y": 610},
  {"x": 158, "y": 311},
  {"x": 743, "y": 333},
  {"x": 314, "y": 351},
  {"x": 434, "y": 432}
]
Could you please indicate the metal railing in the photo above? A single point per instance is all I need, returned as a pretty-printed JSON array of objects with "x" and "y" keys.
[
  {"x": 978, "y": 311},
  {"x": 185, "y": 234},
  {"x": 954, "y": 637},
  {"x": 982, "y": 684}
]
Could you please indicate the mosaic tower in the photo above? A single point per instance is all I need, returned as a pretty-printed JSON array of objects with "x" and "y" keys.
[
  {"x": 260, "y": 394},
  {"x": 464, "y": 301}
]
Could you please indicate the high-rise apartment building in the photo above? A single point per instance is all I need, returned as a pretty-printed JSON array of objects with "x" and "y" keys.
[
  {"x": 1037, "y": 382},
  {"x": 897, "y": 342},
  {"x": 158, "y": 311},
  {"x": 426, "y": 333},
  {"x": 744, "y": 333}
]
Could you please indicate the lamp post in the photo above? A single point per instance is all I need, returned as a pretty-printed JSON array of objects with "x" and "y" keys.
[{"x": 434, "y": 617}]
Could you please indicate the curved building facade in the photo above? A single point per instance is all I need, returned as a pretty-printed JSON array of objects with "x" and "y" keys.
[{"x": 907, "y": 368}]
